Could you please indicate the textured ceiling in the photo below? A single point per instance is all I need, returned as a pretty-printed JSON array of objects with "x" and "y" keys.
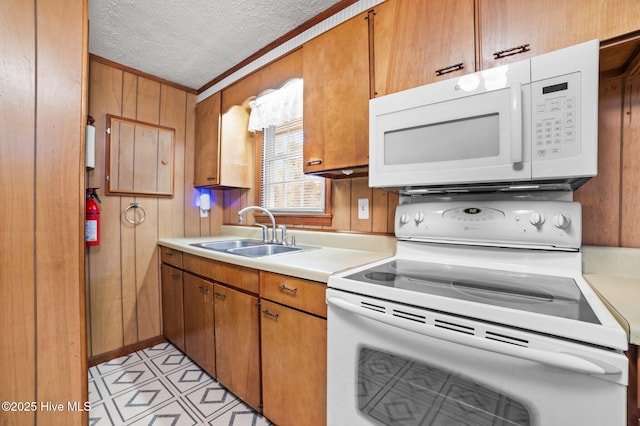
[{"x": 190, "y": 42}]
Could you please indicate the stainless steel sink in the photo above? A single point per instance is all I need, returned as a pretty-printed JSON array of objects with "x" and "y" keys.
[
  {"x": 226, "y": 245},
  {"x": 263, "y": 250},
  {"x": 249, "y": 248}
]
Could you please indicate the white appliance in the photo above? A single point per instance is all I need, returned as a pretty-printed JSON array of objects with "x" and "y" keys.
[
  {"x": 482, "y": 317},
  {"x": 532, "y": 122}
]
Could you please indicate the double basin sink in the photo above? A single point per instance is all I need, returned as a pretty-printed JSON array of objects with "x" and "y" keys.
[{"x": 249, "y": 248}]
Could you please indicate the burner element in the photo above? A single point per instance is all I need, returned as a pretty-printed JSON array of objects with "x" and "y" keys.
[{"x": 380, "y": 276}]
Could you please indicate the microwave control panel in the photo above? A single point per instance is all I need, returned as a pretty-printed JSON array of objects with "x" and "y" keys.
[{"x": 556, "y": 117}]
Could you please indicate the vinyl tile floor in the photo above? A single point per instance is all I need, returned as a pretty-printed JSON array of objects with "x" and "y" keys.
[{"x": 162, "y": 386}]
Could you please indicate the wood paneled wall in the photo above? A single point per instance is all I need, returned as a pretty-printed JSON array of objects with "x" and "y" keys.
[
  {"x": 123, "y": 271},
  {"x": 42, "y": 116},
  {"x": 344, "y": 205},
  {"x": 610, "y": 201}
]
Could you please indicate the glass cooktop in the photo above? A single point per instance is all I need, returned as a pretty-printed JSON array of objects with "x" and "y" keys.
[{"x": 542, "y": 294}]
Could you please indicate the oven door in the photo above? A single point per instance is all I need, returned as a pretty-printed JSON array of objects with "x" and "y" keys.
[{"x": 391, "y": 364}]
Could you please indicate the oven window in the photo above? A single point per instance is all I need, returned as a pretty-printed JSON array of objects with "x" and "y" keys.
[{"x": 394, "y": 390}]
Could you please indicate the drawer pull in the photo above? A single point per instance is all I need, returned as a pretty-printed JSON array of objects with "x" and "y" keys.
[
  {"x": 169, "y": 253},
  {"x": 270, "y": 314},
  {"x": 450, "y": 68},
  {"x": 211, "y": 178},
  {"x": 175, "y": 276},
  {"x": 285, "y": 288},
  {"x": 314, "y": 162},
  {"x": 219, "y": 295},
  {"x": 513, "y": 51}
]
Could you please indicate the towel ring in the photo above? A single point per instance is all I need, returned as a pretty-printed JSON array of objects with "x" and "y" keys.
[{"x": 133, "y": 221}]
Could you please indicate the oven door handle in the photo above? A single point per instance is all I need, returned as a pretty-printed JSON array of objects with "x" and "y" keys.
[{"x": 556, "y": 359}]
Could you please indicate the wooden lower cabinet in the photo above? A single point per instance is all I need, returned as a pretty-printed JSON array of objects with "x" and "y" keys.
[
  {"x": 293, "y": 336},
  {"x": 172, "y": 306},
  {"x": 199, "y": 335},
  {"x": 269, "y": 350},
  {"x": 238, "y": 343}
]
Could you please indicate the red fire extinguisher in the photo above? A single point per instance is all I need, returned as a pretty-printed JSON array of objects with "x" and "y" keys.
[{"x": 92, "y": 218}]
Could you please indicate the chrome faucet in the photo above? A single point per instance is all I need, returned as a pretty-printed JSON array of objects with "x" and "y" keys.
[{"x": 265, "y": 235}]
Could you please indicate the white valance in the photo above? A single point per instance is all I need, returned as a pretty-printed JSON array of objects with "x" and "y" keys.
[{"x": 277, "y": 106}]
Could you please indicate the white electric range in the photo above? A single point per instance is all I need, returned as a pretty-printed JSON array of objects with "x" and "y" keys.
[{"x": 481, "y": 317}]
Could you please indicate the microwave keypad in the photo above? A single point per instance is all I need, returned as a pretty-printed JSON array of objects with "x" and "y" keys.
[
  {"x": 555, "y": 132},
  {"x": 557, "y": 128}
]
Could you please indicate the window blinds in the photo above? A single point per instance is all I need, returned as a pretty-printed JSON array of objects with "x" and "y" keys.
[{"x": 285, "y": 188}]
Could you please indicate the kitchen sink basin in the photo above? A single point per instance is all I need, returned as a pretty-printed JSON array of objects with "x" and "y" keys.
[
  {"x": 249, "y": 248},
  {"x": 226, "y": 245},
  {"x": 263, "y": 250}
]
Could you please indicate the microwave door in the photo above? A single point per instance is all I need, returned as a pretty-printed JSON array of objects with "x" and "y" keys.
[{"x": 473, "y": 139}]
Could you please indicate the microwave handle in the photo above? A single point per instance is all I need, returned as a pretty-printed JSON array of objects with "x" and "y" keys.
[
  {"x": 515, "y": 104},
  {"x": 556, "y": 359}
]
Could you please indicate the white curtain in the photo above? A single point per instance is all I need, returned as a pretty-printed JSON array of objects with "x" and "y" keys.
[{"x": 276, "y": 107}]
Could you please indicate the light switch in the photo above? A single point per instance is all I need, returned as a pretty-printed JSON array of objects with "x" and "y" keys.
[{"x": 363, "y": 208}]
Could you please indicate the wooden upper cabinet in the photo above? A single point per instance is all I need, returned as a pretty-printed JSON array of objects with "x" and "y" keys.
[
  {"x": 223, "y": 145},
  {"x": 547, "y": 25},
  {"x": 336, "y": 100},
  {"x": 420, "y": 42},
  {"x": 207, "y": 154}
]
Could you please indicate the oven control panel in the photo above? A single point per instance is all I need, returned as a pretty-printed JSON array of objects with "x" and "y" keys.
[{"x": 544, "y": 224}]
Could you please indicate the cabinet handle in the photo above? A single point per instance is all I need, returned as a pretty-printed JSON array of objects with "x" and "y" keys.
[
  {"x": 513, "y": 51},
  {"x": 175, "y": 276},
  {"x": 219, "y": 295},
  {"x": 450, "y": 68},
  {"x": 285, "y": 288},
  {"x": 169, "y": 253},
  {"x": 314, "y": 162},
  {"x": 270, "y": 314},
  {"x": 211, "y": 178}
]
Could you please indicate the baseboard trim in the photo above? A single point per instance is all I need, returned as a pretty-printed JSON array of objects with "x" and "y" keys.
[{"x": 126, "y": 350}]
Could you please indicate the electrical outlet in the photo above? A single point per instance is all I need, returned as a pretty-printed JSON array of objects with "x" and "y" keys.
[{"x": 363, "y": 208}]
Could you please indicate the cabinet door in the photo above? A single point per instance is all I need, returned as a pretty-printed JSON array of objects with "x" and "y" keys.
[
  {"x": 198, "y": 322},
  {"x": 336, "y": 99},
  {"x": 238, "y": 343},
  {"x": 548, "y": 25},
  {"x": 172, "y": 319},
  {"x": 294, "y": 366},
  {"x": 419, "y": 42},
  {"x": 207, "y": 142}
]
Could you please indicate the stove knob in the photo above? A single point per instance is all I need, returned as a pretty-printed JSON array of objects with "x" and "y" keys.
[
  {"x": 561, "y": 221},
  {"x": 419, "y": 217},
  {"x": 404, "y": 219},
  {"x": 536, "y": 219}
]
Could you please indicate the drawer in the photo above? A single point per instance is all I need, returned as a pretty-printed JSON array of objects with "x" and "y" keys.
[
  {"x": 308, "y": 296},
  {"x": 171, "y": 256},
  {"x": 226, "y": 273}
]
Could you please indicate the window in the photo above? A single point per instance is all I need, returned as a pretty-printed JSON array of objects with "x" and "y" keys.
[{"x": 284, "y": 186}]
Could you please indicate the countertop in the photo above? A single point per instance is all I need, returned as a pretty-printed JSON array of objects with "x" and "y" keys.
[
  {"x": 332, "y": 251},
  {"x": 614, "y": 273}
]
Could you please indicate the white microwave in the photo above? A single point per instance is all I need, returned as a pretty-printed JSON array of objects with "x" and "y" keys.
[{"x": 531, "y": 124}]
